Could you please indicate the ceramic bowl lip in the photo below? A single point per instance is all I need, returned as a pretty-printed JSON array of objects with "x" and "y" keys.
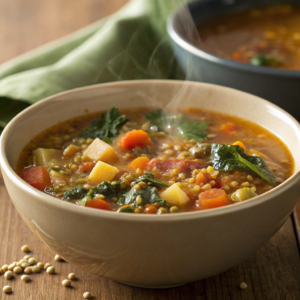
[
  {"x": 183, "y": 216},
  {"x": 190, "y": 48}
]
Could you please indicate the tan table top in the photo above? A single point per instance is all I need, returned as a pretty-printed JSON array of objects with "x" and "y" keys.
[{"x": 273, "y": 272}]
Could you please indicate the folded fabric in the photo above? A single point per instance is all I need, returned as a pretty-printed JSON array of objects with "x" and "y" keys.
[{"x": 131, "y": 44}]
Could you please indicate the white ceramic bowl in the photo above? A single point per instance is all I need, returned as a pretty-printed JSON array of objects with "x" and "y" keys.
[{"x": 151, "y": 250}]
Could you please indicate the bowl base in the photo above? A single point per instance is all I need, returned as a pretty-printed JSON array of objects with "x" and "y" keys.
[{"x": 155, "y": 287}]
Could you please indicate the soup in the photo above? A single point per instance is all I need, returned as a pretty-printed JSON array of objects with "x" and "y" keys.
[
  {"x": 155, "y": 161},
  {"x": 267, "y": 36}
]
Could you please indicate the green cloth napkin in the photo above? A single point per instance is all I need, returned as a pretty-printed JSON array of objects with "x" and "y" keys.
[{"x": 131, "y": 44}]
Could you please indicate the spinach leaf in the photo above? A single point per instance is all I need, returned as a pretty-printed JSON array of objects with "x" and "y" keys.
[
  {"x": 107, "y": 189},
  {"x": 193, "y": 130},
  {"x": 149, "y": 177},
  {"x": 265, "y": 60},
  {"x": 187, "y": 128},
  {"x": 104, "y": 128},
  {"x": 232, "y": 157},
  {"x": 148, "y": 194},
  {"x": 76, "y": 193}
]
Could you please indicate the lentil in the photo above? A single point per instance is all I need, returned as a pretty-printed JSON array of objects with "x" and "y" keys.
[
  {"x": 36, "y": 269},
  {"x": 50, "y": 270},
  {"x": 25, "y": 248},
  {"x": 28, "y": 270},
  {"x": 57, "y": 258},
  {"x": 17, "y": 270},
  {"x": 66, "y": 282},
  {"x": 32, "y": 261},
  {"x": 72, "y": 276},
  {"x": 7, "y": 289},
  {"x": 87, "y": 295},
  {"x": 243, "y": 285},
  {"x": 25, "y": 278},
  {"x": 8, "y": 274},
  {"x": 47, "y": 265}
]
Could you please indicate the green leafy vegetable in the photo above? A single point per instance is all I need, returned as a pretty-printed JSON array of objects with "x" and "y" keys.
[
  {"x": 149, "y": 177},
  {"x": 76, "y": 193},
  {"x": 107, "y": 189},
  {"x": 265, "y": 60},
  {"x": 104, "y": 128},
  {"x": 233, "y": 157},
  {"x": 148, "y": 194},
  {"x": 125, "y": 210},
  {"x": 185, "y": 127}
]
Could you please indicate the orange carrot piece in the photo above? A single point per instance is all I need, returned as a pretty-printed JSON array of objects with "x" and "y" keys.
[
  {"x": 86, "y": 166},
  {"x": 213, "y": 198},
  {"x": 98, "y": 203},
  {"x": 140, "y": 162},
  {"x": 38, "y": 177},
  {"x": 228, "y": 127},
  {"x": 151, "y": 209},
  {"x": 200, "y": 178},
  {"x": 241, "y": 145},
  {"x": 236, "y": 55},
  {"x": 135, "y": 138}
]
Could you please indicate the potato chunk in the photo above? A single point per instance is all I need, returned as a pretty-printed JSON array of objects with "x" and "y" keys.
[
  {"x": 99, "y": 150},
  {"x": 174, "y": 195},
  {"x": 43, "y": 157},
  {"x": 102, "y": 171}
]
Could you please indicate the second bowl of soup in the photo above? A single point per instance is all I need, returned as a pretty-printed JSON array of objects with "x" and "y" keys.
[{"x": 248, "y": 45}]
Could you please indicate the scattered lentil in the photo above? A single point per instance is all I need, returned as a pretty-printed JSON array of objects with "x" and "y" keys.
[
  {"x": 162, "y": 210},
  {"x": 206, "y": 187},
  {"x": 66, "y": 282},
  {"x": 8, "y": 274},
  {"x": 17, "y": 270},
  {"x": 25, "y": 248},
  {"x": 1, "y": 271},
  {"x": 249, "y": 178},
  {"x": 7, "y": 289},
  {"x": 245, "y": 184},
  {"x": 4, "y": 267},
  {"x": 32, "y": 261},
  {"x": 234, "y": 183},
  {"x": 50, "y": 270},
  {"x": 72, "y": 276},
  {"x": 25, "y": 278},
  {"x": 243, "y": 285},
  {"x": 57, "y": 258},
  {"x": 36, "y": 269},
  {"x": 182, "y": 176},
  {"x": 40, "y": 265},
  {"x": 25, "y": 265},
  {"x": 87, "y": 295},
  {"x": 47, "y": 265},
  {"x": 11, "y": 266},
  {"x": 28, "y": 270}
]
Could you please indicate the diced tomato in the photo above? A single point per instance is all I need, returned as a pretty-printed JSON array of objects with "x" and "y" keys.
[
  {"x": 183, "y": 166},
  {"x": 228, "y": 127},
  {"x": 98, "y": 203},
  {"x": 86, "y": 166},
  {"x": 38, "y": 177}
]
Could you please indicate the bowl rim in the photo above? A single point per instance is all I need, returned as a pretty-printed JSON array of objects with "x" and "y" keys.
[
  {"x": 190, "y": 48},
  {"x": 182, "y": 216}
]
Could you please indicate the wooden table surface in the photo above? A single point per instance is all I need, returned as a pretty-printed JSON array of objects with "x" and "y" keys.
[{"x": 273, "y": 272}]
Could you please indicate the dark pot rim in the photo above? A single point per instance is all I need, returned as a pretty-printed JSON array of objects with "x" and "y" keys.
[{"x": 190, "y": 48}]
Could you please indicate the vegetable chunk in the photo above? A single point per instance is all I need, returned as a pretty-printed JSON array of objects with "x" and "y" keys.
[
  {"x": 99, "y": 150},
  {"x": 174, "y": 195},
  {"x": 140, "y": 162},
  {"x": 43, "y": 157},
  {"x": 102, "y": 171},
  {"x": 135, "y": 138},
  {"x": 98, "y": 203},
  {"x": 213, "y": 198},
  {"x": 38, "y": 177}
]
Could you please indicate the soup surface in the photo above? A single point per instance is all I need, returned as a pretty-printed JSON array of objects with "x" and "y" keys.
[
  {"x": 152, "y": 161},
  {"x": 267, "y": 36}
]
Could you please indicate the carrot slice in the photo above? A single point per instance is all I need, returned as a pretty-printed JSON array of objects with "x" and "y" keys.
[
  {"x": 213, "y": 198},
  {"x": 200, "y": 178},
  {"x": 140, "y": 162},
  {"x": 38, "y": 177},
  {"x": 86, "y": 166},
  {"x": 241, "y": 145},
  {"x": 228, "y": 127},
  {"x": 98, "y": 203},
  {"x": 135, "y": 138}
]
